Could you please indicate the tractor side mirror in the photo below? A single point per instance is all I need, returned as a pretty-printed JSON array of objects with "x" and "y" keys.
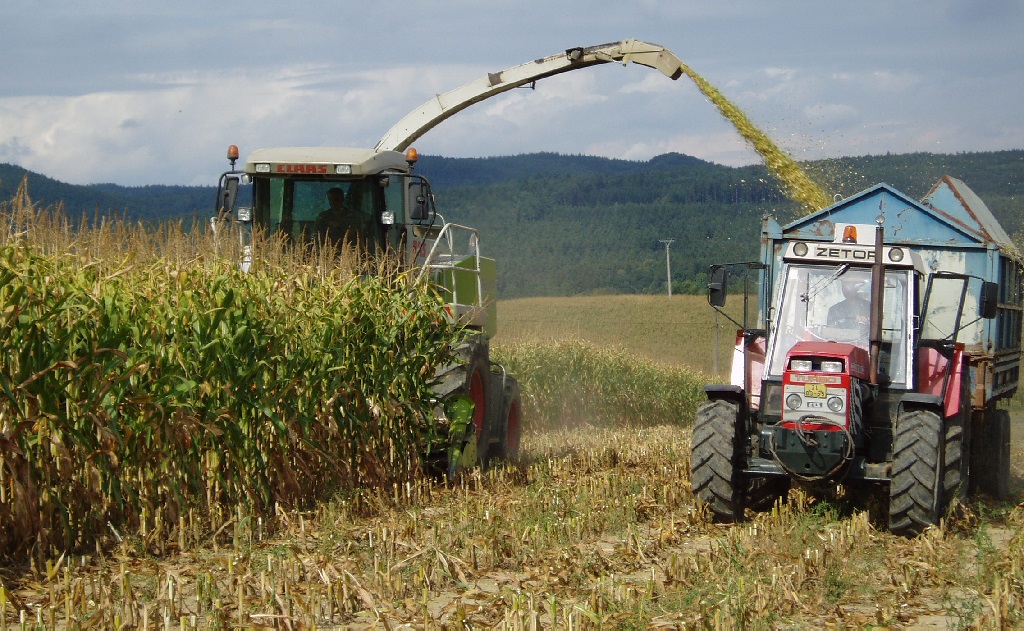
[
  {"x": 716, "y": 288},
  {"x": 989, "y": 300}
]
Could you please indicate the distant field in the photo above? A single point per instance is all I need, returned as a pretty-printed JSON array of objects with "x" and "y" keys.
[{"x": 677, "y": 331}]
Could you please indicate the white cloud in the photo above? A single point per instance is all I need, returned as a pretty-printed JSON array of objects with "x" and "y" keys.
[{"x": 152, "y": 93}]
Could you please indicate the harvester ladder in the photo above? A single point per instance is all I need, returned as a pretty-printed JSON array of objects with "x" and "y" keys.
[{"x": 442, "y": 256}]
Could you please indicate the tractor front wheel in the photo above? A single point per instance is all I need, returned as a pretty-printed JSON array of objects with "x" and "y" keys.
[
  {"x": 715, "y": 459},
  {"x": 916, "y": 488}
]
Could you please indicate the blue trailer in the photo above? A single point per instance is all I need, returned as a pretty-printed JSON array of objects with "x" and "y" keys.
[{"x": 886, "y": 331}]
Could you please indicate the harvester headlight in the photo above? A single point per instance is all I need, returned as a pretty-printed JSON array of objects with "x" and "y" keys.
[
  {"x": 343, "y": 169},
  {"x": 896, "y": 255},
  {"x": 831, "y": 366},
  {"x": 793, "y": 401},
  {"x": 803, "y": 365},
  {"x": 262, "y": 167},
  {"x": 835, "y": 404}
]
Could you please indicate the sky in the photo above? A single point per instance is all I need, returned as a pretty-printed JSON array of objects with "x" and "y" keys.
[{"x": 151, "y": 92}]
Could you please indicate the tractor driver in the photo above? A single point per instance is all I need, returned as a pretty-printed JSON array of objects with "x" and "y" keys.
[
  {"x": 339, "y": 222},
  {"x": 852, "y": 311}
]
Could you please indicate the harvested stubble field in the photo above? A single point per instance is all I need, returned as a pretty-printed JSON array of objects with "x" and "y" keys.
[{"x": 593, "y": 527}]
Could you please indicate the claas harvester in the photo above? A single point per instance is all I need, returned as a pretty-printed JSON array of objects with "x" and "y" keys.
[
  {"x": 283, "y": 191},
  {"x": 288, "y": 193},
  {"x": 884, "y": 334}
]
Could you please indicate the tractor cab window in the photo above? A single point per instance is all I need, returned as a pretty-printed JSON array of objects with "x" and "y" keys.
[
  {"x": 832, "y": 304},
  {"x": 318, "y": 210}
]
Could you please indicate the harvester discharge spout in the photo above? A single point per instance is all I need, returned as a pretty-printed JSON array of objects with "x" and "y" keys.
[{"x": 443, "y": 106}]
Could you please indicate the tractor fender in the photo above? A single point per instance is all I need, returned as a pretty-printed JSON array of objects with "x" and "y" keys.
[
  {"x": 920, "y": 401},
  {"x": 728, "y": 391}
]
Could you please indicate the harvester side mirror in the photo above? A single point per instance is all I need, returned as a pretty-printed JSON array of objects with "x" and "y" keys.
[
  {"x": 989, "y": 300},
  {"x": 419, "y": 209},
  {"x": 716, "y": 288},
  {"x": 228, "y": 195}
]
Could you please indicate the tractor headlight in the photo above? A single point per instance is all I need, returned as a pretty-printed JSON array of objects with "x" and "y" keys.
[
  {"x": 803, "y": 365},
  {"x": 831, "y": 366},
  {"x": 835, "y": 404},
  {"x": 793, "y": 401}
]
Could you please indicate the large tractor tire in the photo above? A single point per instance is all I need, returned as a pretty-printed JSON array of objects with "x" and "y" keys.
[
  {"x": 916, "y": 488},
  {"x": 990, "y": 458},
  {"x": 715, "y": 459}
]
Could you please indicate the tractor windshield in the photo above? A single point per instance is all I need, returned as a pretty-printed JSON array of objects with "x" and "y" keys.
[
  {"x": 832, "y": 304},
  {"x": 319, "y": 210}
]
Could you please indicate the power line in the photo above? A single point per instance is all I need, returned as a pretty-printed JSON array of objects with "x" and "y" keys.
[{"x": 668, "y": 264}]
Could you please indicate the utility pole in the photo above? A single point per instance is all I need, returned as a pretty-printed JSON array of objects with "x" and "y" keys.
[{"x": 668, "y": 264}]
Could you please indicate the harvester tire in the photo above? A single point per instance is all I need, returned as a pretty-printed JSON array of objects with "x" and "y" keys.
[
  {"x": 478, "y": 388},
  {"x": 990, "y": 463},
  {"x": 715, "y": 471},
  {"x": 916, "y": 488},
  {"x": 512, "y": 421}
]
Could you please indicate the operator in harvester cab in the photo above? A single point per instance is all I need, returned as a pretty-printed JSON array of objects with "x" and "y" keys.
[
  {"x": 339, "y": 222},
  {"x": 853, "y": 310}
]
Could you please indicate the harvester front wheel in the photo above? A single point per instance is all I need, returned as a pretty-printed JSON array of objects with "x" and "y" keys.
[
  {"x": 715, "y": 463},
  {"x": 916, "y": 488},
  {"x": 513, "y": 420},
  {"x": 478, "y": 388}
]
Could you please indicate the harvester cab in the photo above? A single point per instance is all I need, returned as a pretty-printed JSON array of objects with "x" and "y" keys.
[
  {"x": 370, "y": 202},
  {"x": 870, "y": 359}
]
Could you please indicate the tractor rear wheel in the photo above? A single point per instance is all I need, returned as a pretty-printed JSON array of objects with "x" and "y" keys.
[
  {"x": 916, "y": 488},
  {"x": 990, "y": 463},
  {"x": 763, "y": 493},
  {"x": 957, "y": 457},
  {"x": 715, "y": 467}
]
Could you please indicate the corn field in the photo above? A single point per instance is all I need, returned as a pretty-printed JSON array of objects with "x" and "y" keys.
[
  {"x": 568, "y": 383},
  {"x": 184, "y": 446},
  {"x": 145, "y": 380}
]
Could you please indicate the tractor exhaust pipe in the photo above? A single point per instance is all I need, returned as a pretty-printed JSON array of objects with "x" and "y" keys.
[{"x": 877, "y": 295}]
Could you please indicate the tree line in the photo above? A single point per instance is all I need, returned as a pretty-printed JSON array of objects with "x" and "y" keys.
[{"x": 572, "y": 224}]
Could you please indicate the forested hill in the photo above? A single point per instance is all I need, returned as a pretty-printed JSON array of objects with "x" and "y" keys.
[
  {"x": 146, "y": 203},
  {"x": 563, "y": 225},
  {"x": 595, "y": 232}
]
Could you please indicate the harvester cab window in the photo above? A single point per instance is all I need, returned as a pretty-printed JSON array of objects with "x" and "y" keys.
[
  {"x": 321, "y": 210},
  {"x": 818, "y": 303}
]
